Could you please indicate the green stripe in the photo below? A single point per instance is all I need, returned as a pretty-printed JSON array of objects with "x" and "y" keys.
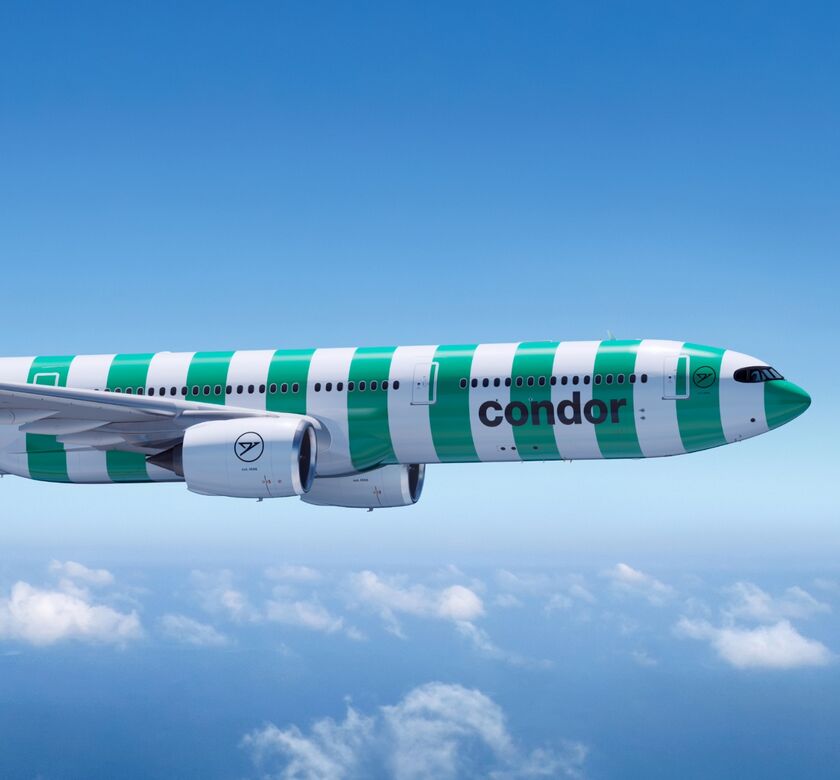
[
  {"x": 367, "y": 411},
  {"x": 534, "y": 359},
  {"x": 128, "y": 371},
  {"x": 616, "y": 436},
  {"x": 698, "y": 415},
  {"x": 208, "y": 370},
  {"x": 289, "y": 367},
  {"x": 47, "y": 458},
  {"x": 450, "y": 414}
]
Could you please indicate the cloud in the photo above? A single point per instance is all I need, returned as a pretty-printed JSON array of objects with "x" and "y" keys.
[
  {"x": 489, "y": 649},
  {"x": 290, "y": 573},
  {"x": 778, "y": 646},
  {"x": 643, "y": 658},
  {"x": 44, "y": 617},
  {"x": 748, "y": 601},
  {"x": 629, "y": 581},
  {"x": 217, "y": 595},
  {"x": 77, "y": 571},
  {"x": 437, "y": 730},
  {"x": 191, "y": 632},
  {"x": 390, "y": 597},
  {"x": 303, "y": 614}
]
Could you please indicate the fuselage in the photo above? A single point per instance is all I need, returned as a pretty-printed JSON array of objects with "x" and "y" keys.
[{"x": 520, "y": 401}]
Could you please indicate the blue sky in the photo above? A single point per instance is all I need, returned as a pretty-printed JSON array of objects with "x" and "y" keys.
[{"x": 214, "y": 176}]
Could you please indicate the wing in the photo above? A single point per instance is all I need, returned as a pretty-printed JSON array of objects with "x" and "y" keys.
[{"x": 110, "y": 421}]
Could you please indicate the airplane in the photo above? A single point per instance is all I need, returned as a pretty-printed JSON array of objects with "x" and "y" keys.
[{"x": 355, "y": 427}]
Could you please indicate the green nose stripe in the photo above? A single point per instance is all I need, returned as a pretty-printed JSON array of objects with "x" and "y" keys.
[{"x": 784, "y": 401}]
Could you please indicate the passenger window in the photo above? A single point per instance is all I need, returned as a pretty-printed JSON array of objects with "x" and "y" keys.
[
  {"x": 151, "y": 391},
  {"x": 519, "y": 381},
  {"x": 609, "y": 379},
  {"x": 183, "y": 391},
  {"x": 328, "y": 387},
  {"x": 575, "y": 379},
  {"x": 262, "y": 389},
  {"x": 497, "y": 382},
  {"x": 507, "y": 381},
  {"x": 228, "y": 390},
  {"x": 284, "y": 388},
  {"x": 644, "y": 378},
  {"x": 564, "y": 380},
  {"x": 396, "y": 384},
  {"x": 295, "y": 387},
  {"x": 206, "y": 389},
  {"x": 362, "y": 386},
  {"x": 463, "y": 384},
  {"x": 196, "y": 390},
  {"x": 239, "y": 389},
  {"x": 385, "y": 384},
  {"x": 485, "y": 383},
  {"x": 474, "y": 383},
  {"x": 373, "y": 385},
  {"x": 597, "y": 379},
  {"x": 317, "y": 387},
  {"x": 620, "y": 379},
  {"x": 587, "y": 379},
  {"x": 339, "y": 387},
  {"x": 530, "y": 381},
  {"x": 351, "y": 386},
  {"x": 128, "y": 390},
  {"x": 217, "y": 390},
  {"x": 632, "y": 379}
]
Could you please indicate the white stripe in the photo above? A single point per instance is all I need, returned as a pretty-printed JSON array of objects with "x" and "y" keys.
[
  {"x": 411, "y": 431},
  {"x": 13, "y": 458},
  {"x": 331, "y": 365},
  {"x": 249, "y": 367},
  {"x": 740, "y": 402},
  {"x": 656, "y": 417},
  {"x": 88, "y": 372},
  {"x": 492, "y": 361},
  {"x": 575, "y": 358},
  {"x": 167, "y": 370}
]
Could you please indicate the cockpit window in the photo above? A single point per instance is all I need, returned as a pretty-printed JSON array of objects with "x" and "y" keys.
[{"x": 757, "y": 374}]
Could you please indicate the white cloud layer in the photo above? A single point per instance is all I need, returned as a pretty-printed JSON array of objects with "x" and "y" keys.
[
  {"x": 79, "y": 572},
  {"x": 44, "y": 617},
  {"x": 438, "y": 730},
  {"x": 390, "y": 597},
  {"x": 777, "y": 646},
  {"x": 181, "y": 628},
  {"x": 749, "y": 602},
  {"x": 629, "y": 581}
]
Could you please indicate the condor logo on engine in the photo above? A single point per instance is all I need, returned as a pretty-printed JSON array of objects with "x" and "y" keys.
[{"x": 249, "y": 447}]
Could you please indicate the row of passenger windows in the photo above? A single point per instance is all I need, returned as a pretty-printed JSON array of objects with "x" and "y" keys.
[
  {"x": 360, "y": 386},
  {"x": 541, "y": 381},
  {"x": 283, "y": 388},
  {"x": 209, "y": 390}
]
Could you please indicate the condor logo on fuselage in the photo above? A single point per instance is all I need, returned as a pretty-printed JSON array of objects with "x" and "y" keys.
[{"x": 567, "y": 412}]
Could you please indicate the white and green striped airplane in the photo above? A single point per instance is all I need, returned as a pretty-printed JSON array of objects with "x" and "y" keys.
[{"x": 356, "y": 426}]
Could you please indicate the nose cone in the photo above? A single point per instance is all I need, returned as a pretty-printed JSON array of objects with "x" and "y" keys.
[{"x": 783, "y": 401}]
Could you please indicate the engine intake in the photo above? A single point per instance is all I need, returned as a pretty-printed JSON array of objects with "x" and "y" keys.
[{"x": 257, "y": 457}]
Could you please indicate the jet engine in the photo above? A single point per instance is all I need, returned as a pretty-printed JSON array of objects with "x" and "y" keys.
[
  {"x": 387, "y": 486},
  {"x": 255, "y": 457}
]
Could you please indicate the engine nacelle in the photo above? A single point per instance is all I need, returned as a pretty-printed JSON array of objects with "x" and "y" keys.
[
  {"x": 256, "y": 457},
  {"x": 386, "y": 486}
]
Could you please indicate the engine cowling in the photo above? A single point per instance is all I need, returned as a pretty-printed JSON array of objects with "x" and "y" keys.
[
  {"x": 387, "y": 486},
  {"x": 256, "y": 457}
]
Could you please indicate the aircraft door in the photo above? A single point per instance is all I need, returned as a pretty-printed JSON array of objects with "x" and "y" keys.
[
  {"x": 424, "y": 390},
  {"x": 675, "y": 377}
]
